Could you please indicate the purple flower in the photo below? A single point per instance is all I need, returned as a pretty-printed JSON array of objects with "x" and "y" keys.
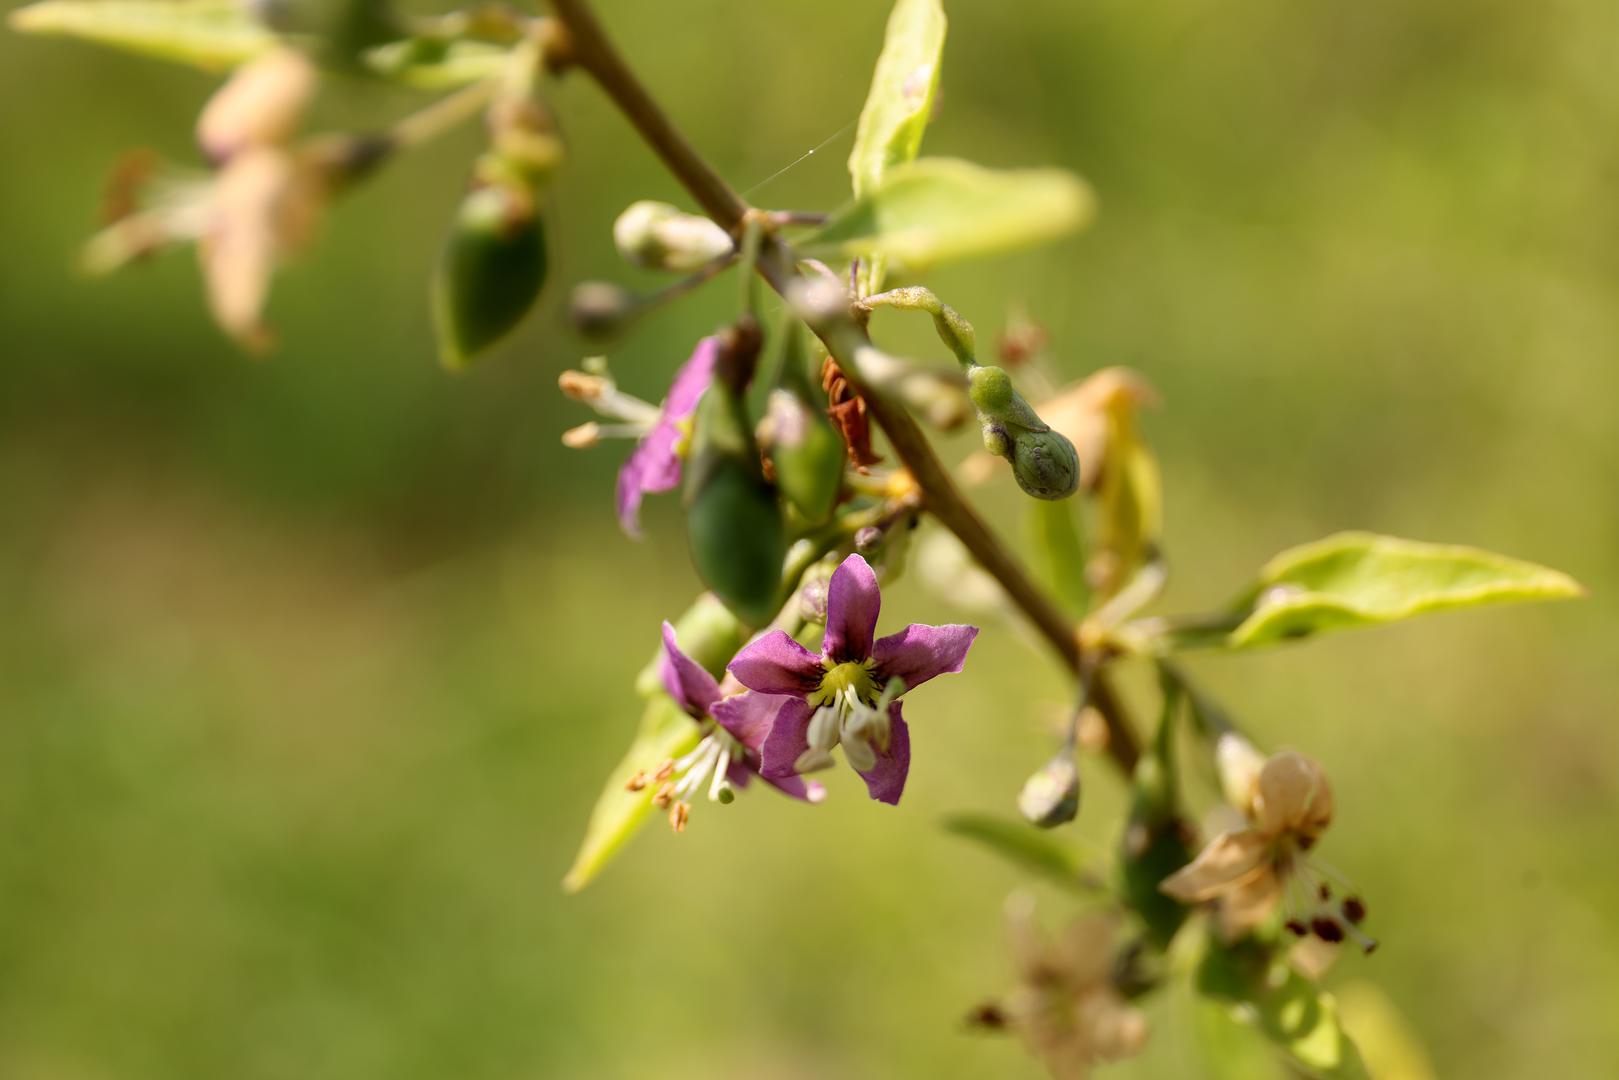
[
  {"x": 847, "y": 695},
  {"x": 727, "y": 758},
  {"x": 654, "y": 465}
]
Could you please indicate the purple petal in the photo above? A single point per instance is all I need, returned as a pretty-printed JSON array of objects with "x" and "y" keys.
[
  {"x": 918, "y": 653},
  {"x": 799, "y": 788},
  {"x": 740, "y": 773},
  {"x": 693, "y": 688},
  {"x": 654, "y": 464},
  {"x": 692, "y": 380},
  {"x": 852, "y": 602},
  {"x": 784, "y": 740},
  {"x": 885, "y": 781},
  {"x": 776, "y": 664},
  {"x": 750, "y": 716}
]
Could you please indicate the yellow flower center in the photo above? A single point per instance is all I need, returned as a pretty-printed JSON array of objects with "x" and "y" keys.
[{"x": 840, "y": 678}]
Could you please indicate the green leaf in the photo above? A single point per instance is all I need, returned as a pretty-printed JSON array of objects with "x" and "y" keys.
[
  {"x": 1297, "y": 1017},
  {"x": 1230, "y": 1049},
  {"x": 898, "y": 104},
  {"x": 436, "y": 64},
  {"x": 1361, "y": 579},
  {"x": 902, "y": 90},
  {"x": 666, "y": 732},
  {"x": 1024, "y": 846},
  {"x": 210, "y": 34},
  {"x": 1059, "y": 550},
  {"x": 939, "y": 210}
]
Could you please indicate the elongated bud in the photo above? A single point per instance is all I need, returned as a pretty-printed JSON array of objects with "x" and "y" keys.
[
  {"x": 1051, "y": 796},
  {"x": 490, "y": 273},
  {"x": 1043, "y": 460},
  {"x": 657, "y": 236}
]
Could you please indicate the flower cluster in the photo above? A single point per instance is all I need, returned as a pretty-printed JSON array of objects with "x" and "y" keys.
[{"x": 798, "y": 705}]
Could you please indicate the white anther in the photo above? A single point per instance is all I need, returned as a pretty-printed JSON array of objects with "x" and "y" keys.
[
  {"x": 823, "y": 729},
  {"x": 860, "y": 754}
]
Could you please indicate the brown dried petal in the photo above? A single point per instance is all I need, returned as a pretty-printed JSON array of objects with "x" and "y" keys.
[
  {"x": 1249, "y": 903},
  {"x": 1294, "y": 797},
  {"x": 263, "y": 208},
  {"x": 847, "y": 410},
  {"x": 1228, "y": 861}
]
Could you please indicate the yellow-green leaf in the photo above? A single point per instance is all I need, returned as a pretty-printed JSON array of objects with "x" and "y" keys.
[
  {"x": 938, "y": 210},
  {"x": 899, "y": 102},
  {"x": 1360, "y": 579},
  {"x": 210, "y": 34},
  {"x": 1059, "y": 549},
  {"x": 1387, "y": 1040},
  {"x": 666, "y": 732},
  {"x": 901, "y": 96},
  {"x": 1296, "y": 1016},
  {"x": 1023, "y": 845},
  {"x": 433, "y": 64}
]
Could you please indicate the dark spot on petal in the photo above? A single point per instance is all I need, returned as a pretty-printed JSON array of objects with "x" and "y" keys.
[{"x": 989, "y": 1016}]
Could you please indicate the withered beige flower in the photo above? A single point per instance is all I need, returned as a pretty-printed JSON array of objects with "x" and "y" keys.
[
  {"x": 1067, "y": 1007},
  {"x": 262, "y": 104},
  {"x": 267, "y": 194},
  {"x": 1247, "y": 872},
  {"x": 263, "y": 207},
  {"x": 257, "y": 208}
]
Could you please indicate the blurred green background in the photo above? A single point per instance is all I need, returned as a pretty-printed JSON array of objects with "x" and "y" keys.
[{"x": 310, "y": 668}]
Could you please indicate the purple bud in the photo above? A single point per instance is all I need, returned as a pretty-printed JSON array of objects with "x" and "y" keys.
[{"x": 812, "y": 600}]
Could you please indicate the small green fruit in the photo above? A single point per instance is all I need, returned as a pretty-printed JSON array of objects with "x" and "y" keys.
[
  {"x": 737, "y": 541},
  {"x": 490, "y": 273}
]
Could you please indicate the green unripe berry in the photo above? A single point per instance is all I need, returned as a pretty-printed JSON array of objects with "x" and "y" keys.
[{"x": 490, "y": 273}]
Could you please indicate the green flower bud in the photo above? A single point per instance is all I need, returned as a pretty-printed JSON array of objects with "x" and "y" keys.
[
  {"x": 733, "y": 522},
  {"x": 490, "y": 272},
  {"x": 657, "y": 236},
  {"x": 1043, "y": 460},
  {"x": 1051, "y": 796},
  {"x": 1045, "y": 464}
]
